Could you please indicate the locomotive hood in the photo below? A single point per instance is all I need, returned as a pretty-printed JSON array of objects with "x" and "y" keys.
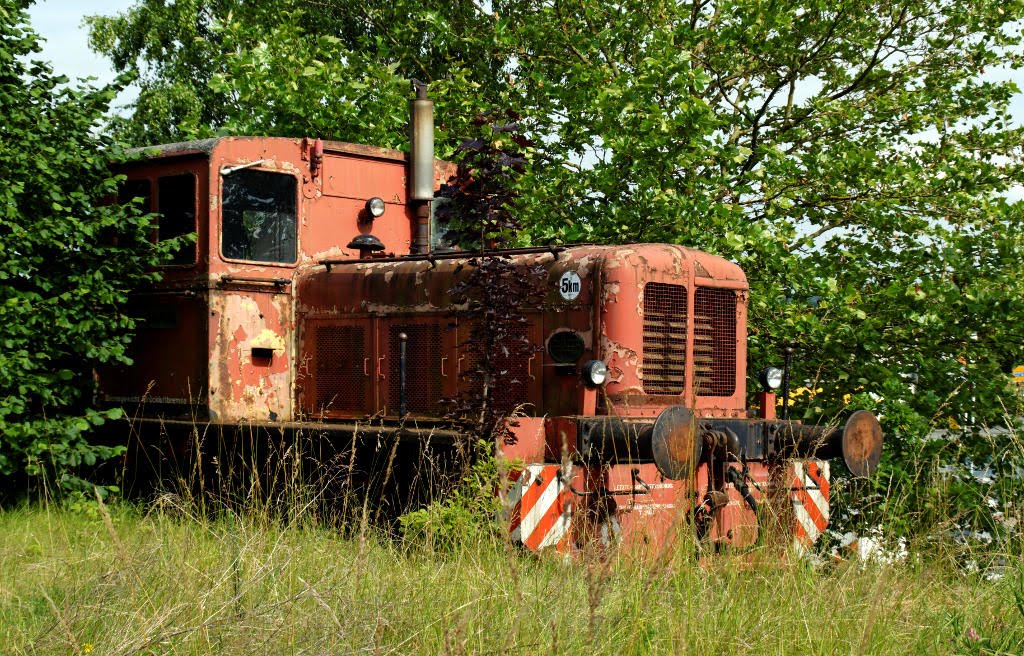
[
  {"x": 669, "y": 322},
  {"x": 419, "y": 285}
]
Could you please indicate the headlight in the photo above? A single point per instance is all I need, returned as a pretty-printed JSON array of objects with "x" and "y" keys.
[
  {"x": 375, "y": 206},
  {"x": 595, "y": 373},
  {"x": 771, "y": 378}
]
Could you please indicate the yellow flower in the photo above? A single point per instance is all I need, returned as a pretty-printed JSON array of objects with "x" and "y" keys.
[{"x": 87, "y": 648}]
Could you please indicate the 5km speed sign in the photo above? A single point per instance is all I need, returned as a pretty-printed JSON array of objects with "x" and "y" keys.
[{"x": 569, "y": 285}]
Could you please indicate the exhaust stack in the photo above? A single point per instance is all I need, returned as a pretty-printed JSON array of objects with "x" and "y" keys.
[{"x": 421, "y": 165}]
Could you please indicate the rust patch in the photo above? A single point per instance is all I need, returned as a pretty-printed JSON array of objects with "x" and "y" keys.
[
  {"x": 862, "y": 443},
  {"x": 249, "y": 388},
  {"x": 676, "y": 443}
]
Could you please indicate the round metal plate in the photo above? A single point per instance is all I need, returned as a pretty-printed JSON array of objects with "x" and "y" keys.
[
  {"x": 862, "y": 443},
  {"x": 566, "y": 347},
  {"x": 676, "y": 443}
]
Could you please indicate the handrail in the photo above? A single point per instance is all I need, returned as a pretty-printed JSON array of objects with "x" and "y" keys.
[
  {"x": 276, "y": 282},
  {"x": 454, "y": 255}
]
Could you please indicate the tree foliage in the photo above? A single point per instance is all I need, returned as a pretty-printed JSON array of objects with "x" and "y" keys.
[
  {"x": 851, "y": 156},
  {"x": 280, "y": 67},
  {"x": 67, "y": 261},
  {"x": 856, "y": 158},
  {"x": 479, "y": 207}
]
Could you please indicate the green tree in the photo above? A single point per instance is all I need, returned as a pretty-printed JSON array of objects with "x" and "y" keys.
[
  {"x": 851, "y": 156},
  {"x": 171, "y": 51},
  {"x": 281, "y": 67},
  {"x": 67, "y": 262}
]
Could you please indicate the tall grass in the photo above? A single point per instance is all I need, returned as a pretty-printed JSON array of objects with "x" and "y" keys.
[
  {"x": 163, "y": 581},
  {"x": 233, "y": 566}
]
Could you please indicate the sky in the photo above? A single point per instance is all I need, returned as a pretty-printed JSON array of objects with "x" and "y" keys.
[{"x": 59, "y": 22}]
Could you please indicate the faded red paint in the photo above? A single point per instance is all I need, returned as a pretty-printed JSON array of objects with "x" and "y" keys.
[{"x": 198, "y": 358}]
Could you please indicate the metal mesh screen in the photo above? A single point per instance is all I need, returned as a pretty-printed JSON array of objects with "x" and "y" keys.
[
  {"x": 714, "y": 342},
  {"x": 512, "y": 369},
  {"x": 664, "y": 357},
  {"x": 340, "y": 381},
  {"x": 423, "y": 353}
]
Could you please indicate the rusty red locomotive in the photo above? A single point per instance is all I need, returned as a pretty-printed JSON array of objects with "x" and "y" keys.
[{"x": 312, "y": 292}]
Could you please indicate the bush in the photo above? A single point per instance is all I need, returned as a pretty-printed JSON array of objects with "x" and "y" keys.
[
  {"x": 67, "y": 263},
  {"x": 466, "y": 516}
]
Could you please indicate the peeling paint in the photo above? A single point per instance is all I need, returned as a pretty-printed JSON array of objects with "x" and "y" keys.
[{"x": 270, "y": 340}]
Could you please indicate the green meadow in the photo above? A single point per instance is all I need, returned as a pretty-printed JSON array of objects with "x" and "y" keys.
[{"x": 162, "y": 579}]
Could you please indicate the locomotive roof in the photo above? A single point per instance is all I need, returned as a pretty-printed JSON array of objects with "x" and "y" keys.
[{"x": 206, "y": 146}]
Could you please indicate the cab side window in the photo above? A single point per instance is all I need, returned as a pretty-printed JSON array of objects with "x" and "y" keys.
[
  {"x": 176, "y": 206},
  {"x": 259, "y": 218},
  {"x": 132, "y": 189},
  {"x": 176, "y": 196}
]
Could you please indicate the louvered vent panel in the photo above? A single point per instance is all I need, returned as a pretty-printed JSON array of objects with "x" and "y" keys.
[
  {"x": 664, "y": 357},
  {"x": 422, "y": 369},
  {"x": 714, "y": 342},
  {"x": 340, "y": 382}
]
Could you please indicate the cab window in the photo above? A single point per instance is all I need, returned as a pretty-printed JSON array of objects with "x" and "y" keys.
[
  {"x": 258, "y": 215},
  {"x": 176, "y": 200},
  {"x": 175, "y": 205},
  {"x": 132, "y": 189}
]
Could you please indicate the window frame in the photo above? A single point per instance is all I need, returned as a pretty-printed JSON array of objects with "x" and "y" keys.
[{"x": 298, "y": 219}]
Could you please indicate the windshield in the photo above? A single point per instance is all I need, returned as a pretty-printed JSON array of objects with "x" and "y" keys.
[{"x": 259, "y": 221}]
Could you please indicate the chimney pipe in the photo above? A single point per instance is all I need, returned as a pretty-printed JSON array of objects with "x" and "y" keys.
[{"x": 421, "y": 165}]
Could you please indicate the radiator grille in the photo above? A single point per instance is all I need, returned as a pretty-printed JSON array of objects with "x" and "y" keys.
[
  {"x": 340, "y": 381},
  {"x": 714, "y": 342},
  {"x": 423, "y": 353},
  {"x": 664, "y": 357}
]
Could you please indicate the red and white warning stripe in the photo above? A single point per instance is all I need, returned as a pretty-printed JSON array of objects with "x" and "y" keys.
[
  {"x": 539, "y": 508},
  {"x": 809, "y": 495}
]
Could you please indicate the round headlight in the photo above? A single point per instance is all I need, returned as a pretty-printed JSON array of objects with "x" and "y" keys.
[
  {"x": 375, "y": 206},
  {"x": 771, "y": 378},
  {"x": 595, "y": 373}
]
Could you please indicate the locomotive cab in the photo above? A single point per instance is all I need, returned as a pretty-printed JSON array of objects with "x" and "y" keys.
[{"x": 216, "y": 338}]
